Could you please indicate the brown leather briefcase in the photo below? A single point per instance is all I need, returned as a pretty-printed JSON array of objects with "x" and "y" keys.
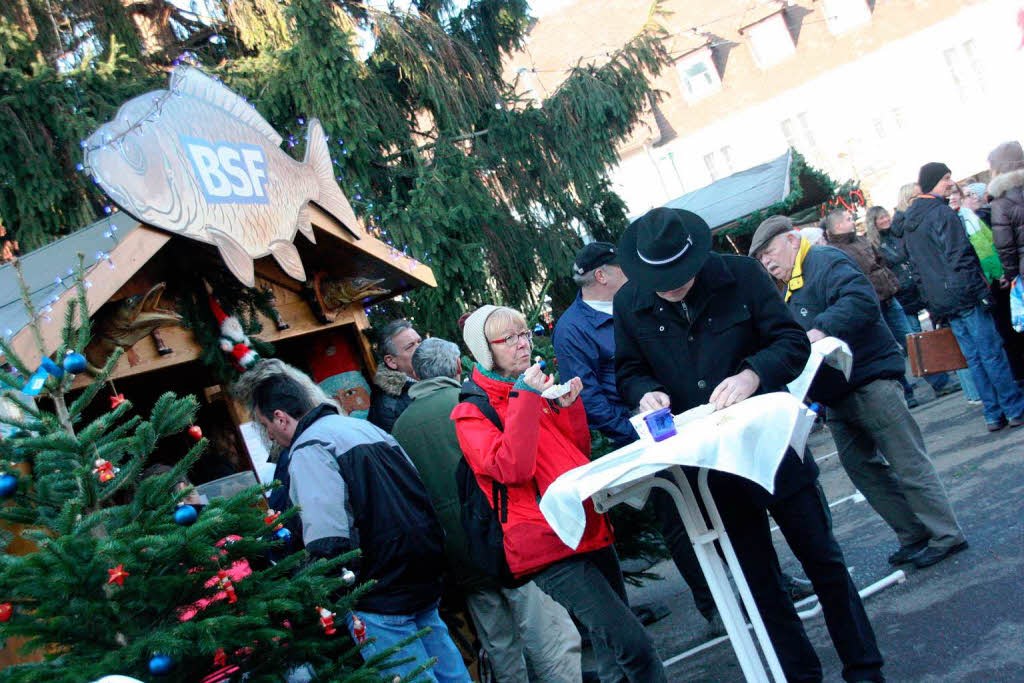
[{"x": 934, "y": 352}]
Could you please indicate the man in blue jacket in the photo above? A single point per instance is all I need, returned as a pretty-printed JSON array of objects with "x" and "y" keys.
[
  {"x": 830, "y": 296},
  {"x": 584, "y": 341}
]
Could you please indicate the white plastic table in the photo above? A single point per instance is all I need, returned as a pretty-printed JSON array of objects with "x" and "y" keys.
[{"x": 748, "y": 439}]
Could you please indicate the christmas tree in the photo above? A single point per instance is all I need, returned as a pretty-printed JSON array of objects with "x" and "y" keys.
[{"x": 127, "y": 578}]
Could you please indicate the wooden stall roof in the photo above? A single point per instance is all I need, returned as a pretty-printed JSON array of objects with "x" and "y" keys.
[{"x": 117, "y": 247}]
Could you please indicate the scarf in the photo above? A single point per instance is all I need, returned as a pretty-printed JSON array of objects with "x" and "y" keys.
[{"x": 796, "y": 280}]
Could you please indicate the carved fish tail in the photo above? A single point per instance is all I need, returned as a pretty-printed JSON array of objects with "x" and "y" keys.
[{"x": 331, "y": 198}]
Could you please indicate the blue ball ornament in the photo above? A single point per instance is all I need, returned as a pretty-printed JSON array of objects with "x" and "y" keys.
[
  {"x": 8, "y": 485},
  {"x": 283, "y": 534},
  {"x": 74, "y": 363},
  {"x": 160, "y": 665},
  {"x": 185, "y": 515}
]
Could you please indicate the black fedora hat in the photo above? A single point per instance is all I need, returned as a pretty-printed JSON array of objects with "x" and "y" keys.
[{"x": 664, "y": 249}]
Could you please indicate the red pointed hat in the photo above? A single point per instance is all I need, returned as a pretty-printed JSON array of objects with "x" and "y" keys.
[{"x": 664, "y": 249}]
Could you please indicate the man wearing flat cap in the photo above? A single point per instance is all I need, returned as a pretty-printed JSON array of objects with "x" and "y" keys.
[
  {"x": 693, "y": 327},
  {"x": 830, "y": 296}
]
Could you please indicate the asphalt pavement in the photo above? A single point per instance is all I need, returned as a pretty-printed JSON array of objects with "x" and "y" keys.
[{"x": 959, "y": 620}]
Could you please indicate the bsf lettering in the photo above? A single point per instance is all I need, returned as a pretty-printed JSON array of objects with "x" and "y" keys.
[{"x": 229, "y": 173}]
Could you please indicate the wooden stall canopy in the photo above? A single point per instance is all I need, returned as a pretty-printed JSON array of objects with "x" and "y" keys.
[{"x": 124, "y": 256}]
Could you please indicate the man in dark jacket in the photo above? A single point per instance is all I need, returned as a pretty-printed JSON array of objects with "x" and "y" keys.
[
  {"x": 357, "y": 488},
  {"x": 398, "y": 341},
  {"x": 895, "y": 256},
  {"x": 829, "y": 296},
  {"x": 584, "y": 342},
  {"x": 841, "y": 233},
  {"x": 953, "y": 286},
  {"x": 693, "y": 327},
  {"x": 527, "y": 635}
]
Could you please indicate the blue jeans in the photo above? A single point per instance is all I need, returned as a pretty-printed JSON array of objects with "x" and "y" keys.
[
  {"x": 914, "y": 325},
  {"x": 967, "y": 384},
  {"x": 896, "y": 320},
  {"x": 390, "y": 629},
  {"x": 975, "y": 331}
]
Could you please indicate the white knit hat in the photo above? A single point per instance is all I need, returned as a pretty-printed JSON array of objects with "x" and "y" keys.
[{"x": 476, "y": 340}]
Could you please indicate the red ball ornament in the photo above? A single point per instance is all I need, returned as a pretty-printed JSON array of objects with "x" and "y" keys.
[
  {"x": 195, "y": 432},
  {"x": 6, "y": 611}
]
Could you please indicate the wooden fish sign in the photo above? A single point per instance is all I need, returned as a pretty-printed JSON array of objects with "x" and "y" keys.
[{"x": 199, "y": 161}]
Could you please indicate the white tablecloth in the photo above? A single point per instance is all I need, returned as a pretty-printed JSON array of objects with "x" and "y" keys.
[{"x": 748, "y": 439}]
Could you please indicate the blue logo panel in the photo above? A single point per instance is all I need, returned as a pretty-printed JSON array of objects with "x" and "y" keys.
[{"x": 228, "y": 173}]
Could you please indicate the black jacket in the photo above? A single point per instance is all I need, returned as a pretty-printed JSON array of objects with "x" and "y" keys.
[
  {"x": 737, "y": 320},
  {"x": 358, "y": 489},
  {"x": 949, "y": 275},
  {"x": 839, "y": 300},
  {"x": 896, "y": 257},
  {"x": 390, "y": 397}
]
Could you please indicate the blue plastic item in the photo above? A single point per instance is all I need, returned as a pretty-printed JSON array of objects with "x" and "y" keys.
[
  {"x": 660, "y": 424},
  {"x": 1017, "y": 304},
  {"x": 51, "y": 367}
]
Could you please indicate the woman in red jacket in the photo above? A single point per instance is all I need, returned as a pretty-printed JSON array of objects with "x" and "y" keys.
[{"x": 541, "y": 440}]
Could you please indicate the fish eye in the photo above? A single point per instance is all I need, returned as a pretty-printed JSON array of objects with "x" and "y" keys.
[{"x": 131, "y": 152}]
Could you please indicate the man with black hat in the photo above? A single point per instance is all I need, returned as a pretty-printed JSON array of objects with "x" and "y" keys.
[
  {"x": 830, "y": 296},
  {"x": 584, "y": 342},
  {"x": 954, "y": 288},
  {"x": 692, "y": 327}
]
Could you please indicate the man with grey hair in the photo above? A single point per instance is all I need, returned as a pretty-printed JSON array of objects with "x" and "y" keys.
[
  {"x": 527, "y": 635},
  {"x": 830, "y": 296},
  {"x": 398, "y": 341},
  {"x": 356, "y": 488}
]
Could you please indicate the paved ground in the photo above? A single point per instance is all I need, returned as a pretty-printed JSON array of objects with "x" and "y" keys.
[{"x": 960, "y": 620}]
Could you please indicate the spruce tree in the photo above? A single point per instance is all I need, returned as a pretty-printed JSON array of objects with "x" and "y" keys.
[
  {"x": 441, "y": 156},
  {"x": 125, "y": 578}
]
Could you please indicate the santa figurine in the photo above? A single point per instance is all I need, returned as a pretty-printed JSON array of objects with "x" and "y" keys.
[
  {"x": 233, "y": 340},
  {"x": 224, "y": 583},
  {"x": 104, "y": 470},
  {"x": 271, "y": 517},
  {"x": 327, "y": 620}
]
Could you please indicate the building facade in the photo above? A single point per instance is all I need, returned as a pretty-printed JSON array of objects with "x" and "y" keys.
[{"x": 864, "y": 90}]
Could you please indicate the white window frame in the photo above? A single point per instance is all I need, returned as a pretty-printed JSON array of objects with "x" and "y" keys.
[
  {"x": 770, "y": 41},
  {"x": 845, "y": 15},
  {"x": 691, "y": 87}
]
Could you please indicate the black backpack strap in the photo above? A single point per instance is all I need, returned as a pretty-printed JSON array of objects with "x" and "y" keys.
[{"x": 473, "y": 394}]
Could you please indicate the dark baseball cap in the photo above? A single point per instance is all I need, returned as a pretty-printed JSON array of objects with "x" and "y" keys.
[{"x": 594, "y": 255}]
